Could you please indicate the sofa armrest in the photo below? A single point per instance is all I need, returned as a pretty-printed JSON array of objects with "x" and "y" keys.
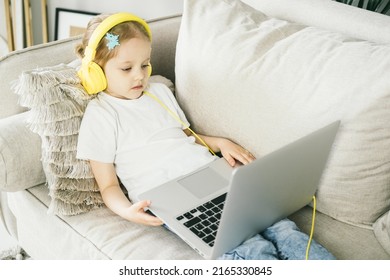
[{"x": 20, "y": 154}]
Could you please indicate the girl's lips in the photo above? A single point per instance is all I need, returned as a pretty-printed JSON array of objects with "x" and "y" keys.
[{"x": 137, "y": 87}]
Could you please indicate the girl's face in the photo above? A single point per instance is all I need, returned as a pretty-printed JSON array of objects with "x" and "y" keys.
[{"x": 127, "y": 72}]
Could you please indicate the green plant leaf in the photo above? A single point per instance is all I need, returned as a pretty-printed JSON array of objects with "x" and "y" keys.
[{"x": 379, "y": 6}]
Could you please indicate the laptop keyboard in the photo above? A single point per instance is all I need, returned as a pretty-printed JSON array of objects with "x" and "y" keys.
[{"x": 203, "y": 220}]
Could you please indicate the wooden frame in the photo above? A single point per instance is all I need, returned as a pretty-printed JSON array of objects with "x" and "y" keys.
[
  {"x": 10, "y": 17},
  {"x": 71, "y": 22},
  {"x": 8, "y": 22},
  {"x": 28, "y": 23},
  {"x": 45, "y": 33}
]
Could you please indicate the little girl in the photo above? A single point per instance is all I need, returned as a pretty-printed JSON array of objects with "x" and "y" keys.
[{"x": 126, "y": 133}]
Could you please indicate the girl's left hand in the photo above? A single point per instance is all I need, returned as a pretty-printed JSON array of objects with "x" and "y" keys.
[{"x": 233, "y": 152}]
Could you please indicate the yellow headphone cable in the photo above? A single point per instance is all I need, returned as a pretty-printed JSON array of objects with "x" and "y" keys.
[
  {"x": 176, "y": 117},
  {"x": 312, "y": 227}
]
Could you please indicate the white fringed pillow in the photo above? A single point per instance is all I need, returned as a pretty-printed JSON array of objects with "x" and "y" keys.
[{"x": 57, "y": 102}]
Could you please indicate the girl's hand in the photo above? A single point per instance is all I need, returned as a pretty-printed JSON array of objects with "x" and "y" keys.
[
  {"x": 135, "y": 213},
  {"x": 232, "y": 152}
]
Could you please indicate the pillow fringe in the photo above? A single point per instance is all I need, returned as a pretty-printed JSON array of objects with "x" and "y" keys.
[
  {"x": 79, "y": 170},
  {"x": 67, "y": 158},
  {"x": 41, "y": 82},
  {"x": 76, "y": 196},
  {"x": 57, "y": 101},
  {"x": 85, "y": 184},
  {"x": 60, "y": 128},
  {"x": 61, "y": 111},
  {"x": 59, "y": 143}
]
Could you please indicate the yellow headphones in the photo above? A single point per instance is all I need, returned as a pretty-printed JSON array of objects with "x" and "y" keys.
[{"x": 91, "y": 74}]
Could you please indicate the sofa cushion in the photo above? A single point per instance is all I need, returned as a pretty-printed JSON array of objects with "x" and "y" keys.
[
  {"x": 343, "y": 240},
  {"x": 382, "y": 231},
  {"x": 98, "y": 234},
  {"x": 264, "y": 82},
  {"x": 20, "y": 153}
]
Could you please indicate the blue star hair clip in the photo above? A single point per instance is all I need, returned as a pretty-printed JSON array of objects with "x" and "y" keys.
[{"x": 113, "y": 40}]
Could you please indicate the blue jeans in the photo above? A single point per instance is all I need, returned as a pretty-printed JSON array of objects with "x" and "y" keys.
[{"x": 281, "y": 241}]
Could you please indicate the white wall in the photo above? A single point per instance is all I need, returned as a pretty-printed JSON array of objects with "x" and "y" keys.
[
  {"x": 3, "y": 31},
  {"x": 146, "y": 9}
]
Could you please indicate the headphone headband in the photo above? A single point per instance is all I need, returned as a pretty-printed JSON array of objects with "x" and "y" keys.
[
  {"x": 106, "y": 25},
  {"x": 91, "y": 75}
]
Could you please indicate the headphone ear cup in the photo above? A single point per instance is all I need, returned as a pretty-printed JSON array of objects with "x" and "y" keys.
[
  {"x": 92, "y": 77},
  {"x": 150, "y": 70}
]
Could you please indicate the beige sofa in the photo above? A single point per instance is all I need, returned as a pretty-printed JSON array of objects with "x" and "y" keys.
[{"x": 349, "y": 222}]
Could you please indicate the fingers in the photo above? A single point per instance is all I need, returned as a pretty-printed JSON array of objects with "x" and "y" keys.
[
  {"x": 151, "y": 220},
  {"x": 141, "y": 217},
  {"x": 247, "y": 157},
  {"x": 233, "y": 152},
  {"x": 239, "y": 154},
  {"x": 229, "y": 159},
  {"x": 244, "y": 158},
  {"x": 142, "y": 204}
]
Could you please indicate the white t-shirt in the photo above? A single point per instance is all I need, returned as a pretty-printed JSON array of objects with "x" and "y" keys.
[{"x": 144, "y": 142}]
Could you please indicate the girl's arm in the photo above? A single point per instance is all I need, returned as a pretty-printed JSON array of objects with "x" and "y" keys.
[
  {"x": 116, "y": 200},
  {"x": 229, "y": 150}
]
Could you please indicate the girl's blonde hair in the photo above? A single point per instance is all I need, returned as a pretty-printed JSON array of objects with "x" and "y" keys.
[{"x": 126, "y": 31}]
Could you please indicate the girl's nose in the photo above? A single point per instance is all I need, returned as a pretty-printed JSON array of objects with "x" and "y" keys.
[{"x": 139, "y": 74}]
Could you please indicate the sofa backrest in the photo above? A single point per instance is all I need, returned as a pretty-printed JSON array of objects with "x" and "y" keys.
[
  {"x": 165, "y": 32},
  {"x": 13, "y": 64},
  {"x": 330, "y": 15}
]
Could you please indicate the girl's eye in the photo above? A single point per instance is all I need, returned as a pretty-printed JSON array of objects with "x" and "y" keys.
[{"x": 130, "y": 68}]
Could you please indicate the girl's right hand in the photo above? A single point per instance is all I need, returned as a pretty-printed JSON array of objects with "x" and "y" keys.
[{"x": 136, "y": 213}]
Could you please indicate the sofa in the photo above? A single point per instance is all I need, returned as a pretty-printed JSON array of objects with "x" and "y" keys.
[{"x": 262, "y": 73}]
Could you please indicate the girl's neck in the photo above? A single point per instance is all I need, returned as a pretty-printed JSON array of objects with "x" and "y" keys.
[{"x": 123, "y": 97}]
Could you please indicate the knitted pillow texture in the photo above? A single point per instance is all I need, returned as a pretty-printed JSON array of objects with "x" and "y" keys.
[{"x": 57, "y": 102}]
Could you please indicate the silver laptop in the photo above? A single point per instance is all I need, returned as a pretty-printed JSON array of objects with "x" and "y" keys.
[{"x": 217, "y": 207}]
